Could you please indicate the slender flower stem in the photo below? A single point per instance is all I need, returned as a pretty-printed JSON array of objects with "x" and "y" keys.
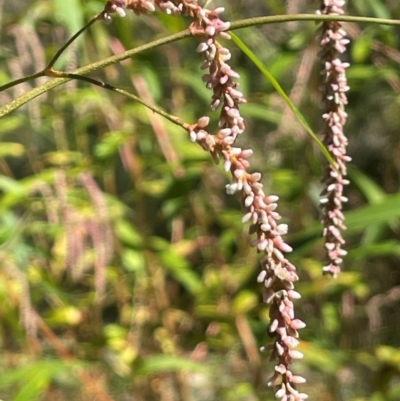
[
  {"x": 74, "y": 37},
  {"x": 272, "y": 19},
  {"x": 333, "y": 43},
  {"x": 32, "y": 94},
  {"x": 22, "y": 80},
  {"x": 51, "y": 63},
  {"x": 174, "y": 119},
  {"x": 244, "y": 23}
]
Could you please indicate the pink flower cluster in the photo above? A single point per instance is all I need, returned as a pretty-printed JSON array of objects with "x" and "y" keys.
[
  {"x": 119, "y": 7},
  {"x": 220, "y": 77},
  {"x": 181, "y": 7},
  {"x": 277, "y": 273},
  {"x": 334, "y": 88}
]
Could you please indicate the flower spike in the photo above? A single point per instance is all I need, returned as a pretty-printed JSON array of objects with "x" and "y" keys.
[{"x": 334, "y": 88}]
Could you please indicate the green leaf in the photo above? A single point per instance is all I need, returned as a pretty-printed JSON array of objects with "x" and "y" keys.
[
  {"x": 9, "y": 124},
  {"x": 330, "y": 317},
  {"x": 70, "y": 13},
  {"x": 180, "y": 270},
  {"x": 260, "y": 65},
  {"x": 361, "y": 48},
  {"x": 32, "y": 378},
  {"x": 62, "y": 158},
  {"x": 384, "y": 212},
  {"x": 110, "y": 144},
  {"x": 373, "y": 192},
  {"x": 127, "y": 233},
  {"x": 375, "y": 195},
  {"x": 386, "y": 248},
  {"x": 244, "y": 302},
  {"x": 320, "y": 357},
  {"x": 260, "y": 112},
  {"x": 388, "y": 355},
  {"x": 133, "y": 260},
  {"x": 167, "y": 363},
  {"x": 357, "y": 220},
  {"x": 4, "y": 77},
  {"x": 379, "y": 9},
  {"x": 33, "y": 388},
  {"x": 196, "y": 85},
  {"x": 8, "y": 184},
  {"x": 10, "y": 149},
  {"x": 152, "y": 80}
]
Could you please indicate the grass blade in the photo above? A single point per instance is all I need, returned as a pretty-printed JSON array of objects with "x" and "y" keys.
[{"x": 261, "y": 66}]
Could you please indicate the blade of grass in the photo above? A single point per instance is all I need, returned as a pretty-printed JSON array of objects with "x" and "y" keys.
[{"x": 264, "y": 70}]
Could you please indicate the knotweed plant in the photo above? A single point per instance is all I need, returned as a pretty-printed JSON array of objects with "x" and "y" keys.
[
  {"x": 333, "y": 43},
  {"x": 277, "y": 276},
  {"x": 277, "y": 273}
]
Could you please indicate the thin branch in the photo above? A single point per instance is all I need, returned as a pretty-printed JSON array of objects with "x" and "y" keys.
[
  {"x": 272, "y": 19},
  {"x": 174, "y": 119},
  {"x": 22, "y": 80},
  {"x": 64, "y": 47},
  {"x": 32, "y": 94},
  {"x": 54, "y": 59},
  {"x": 6, "y": 109}
]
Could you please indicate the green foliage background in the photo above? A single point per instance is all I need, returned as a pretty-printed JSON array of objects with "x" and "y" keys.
[{"x": 125, "y": 270}]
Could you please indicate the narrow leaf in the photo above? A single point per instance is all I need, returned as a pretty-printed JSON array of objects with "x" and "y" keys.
[{"x": 260, "y": 65}]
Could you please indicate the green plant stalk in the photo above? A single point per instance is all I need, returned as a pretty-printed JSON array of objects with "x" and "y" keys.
[
  {"x": 272, "y": 19},
  {"x": 264, "y": 70},
  {"x": 174, "y": 119},
  {"x": 54, "y": 59},
  {"x": 22, "y": 80},
  {"x": 70, "y": 40},
  {"x": 16, "y": 103},
  {"x": 32, "y": 94}
]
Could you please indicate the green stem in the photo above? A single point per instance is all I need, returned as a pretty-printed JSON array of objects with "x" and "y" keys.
[
  {"x": 178, "y": 36},
  {"x": 52, "y": 61},
  {"x": 32, "y": 94},
  {"x": 174, "y": 119},
  {"x": 62, "y": 49},
  {"x": 272, "y": 19},
  {"x": 22, "y": 80}
]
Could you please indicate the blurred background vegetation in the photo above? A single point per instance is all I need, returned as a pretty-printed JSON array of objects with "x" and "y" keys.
[{"x": 126, "y": 273}]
